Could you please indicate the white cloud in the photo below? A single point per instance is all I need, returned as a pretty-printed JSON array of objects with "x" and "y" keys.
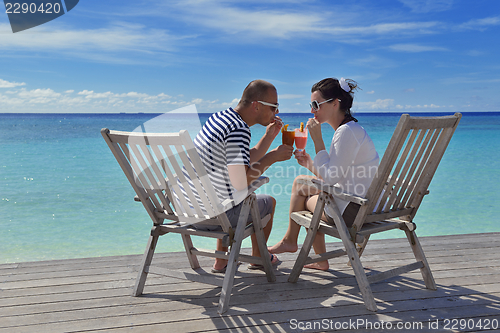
[
  {"x": 390, "y": 105},
  {"x": 371, "y": 92},
  {"x": 481, "y": 24},
  {"x": 232, "y": 103},
  {"x": 425, "y": 6},
  {"x": 7, "y": 84},
  {"x": 116, "y": 44},
  {"x": 289, "y": 96},
  {"x": 38, "y": 93},
  {"x": 415, "y": 48},
  {"x": 384, "y": 29},
  {"x": 48, "y": 100},
  {"x": 252, "y": 24},
  {"x": 379, "y": 104}
]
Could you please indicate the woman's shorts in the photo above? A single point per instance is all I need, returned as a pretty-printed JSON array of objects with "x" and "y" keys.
[{"x": 350, "y": 213}]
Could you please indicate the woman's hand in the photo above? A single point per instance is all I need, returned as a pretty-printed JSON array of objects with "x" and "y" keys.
[
  {"x": 314, "y": 128},
  {"x": 304, "y": 159}
]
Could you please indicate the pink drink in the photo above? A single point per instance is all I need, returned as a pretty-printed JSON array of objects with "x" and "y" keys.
[{"x": 300, "y": 139}]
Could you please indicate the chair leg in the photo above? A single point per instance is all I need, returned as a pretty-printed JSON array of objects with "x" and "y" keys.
[
  {"x": 311, "y": 234},
  {"x": 145, "y": 262},
  {"x": 350, "y": 247},
  {"x": 232, "y": 264},
  {"x": 420, "y": 256},
  {"x": 261, "y": 241},
  {"x": 359, "y": 272},
  {"x": 188, "y": 245},
  {"x": 360, "y": 248}
]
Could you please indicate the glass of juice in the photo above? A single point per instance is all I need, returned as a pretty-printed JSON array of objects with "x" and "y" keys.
[
  {"x": 288, "y": 137},
  {"x": 301, "y": 138}
]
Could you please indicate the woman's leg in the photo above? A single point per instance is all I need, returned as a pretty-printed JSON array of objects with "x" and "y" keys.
[
  {"x": 319, "y": 241},
  {"x": 300, "y": 193}
]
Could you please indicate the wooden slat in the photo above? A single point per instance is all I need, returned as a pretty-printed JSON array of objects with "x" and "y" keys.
[
  {"x": 394, "y": 176},
  {"x": 394, "y": 272},
  {"x": 200, "y": 275},
  {"x": 325, "y": 256},
  {"x": 187, "y": 189},
  {"x": 423, "y": 160}
]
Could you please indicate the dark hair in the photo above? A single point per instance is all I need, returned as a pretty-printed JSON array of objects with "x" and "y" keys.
[
  {"x": 256, "y": 91},
  {"x": 330, "y": 88}
]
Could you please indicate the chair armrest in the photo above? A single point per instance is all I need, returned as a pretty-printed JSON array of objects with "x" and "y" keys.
[
  {"x": 241, "y": 195},
  {"x": 256, "y": 184},
  {"x": 334, "y": 190}
]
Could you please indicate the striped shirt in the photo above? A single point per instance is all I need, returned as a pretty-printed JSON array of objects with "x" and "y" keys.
[{"x": 224, "y": 140}]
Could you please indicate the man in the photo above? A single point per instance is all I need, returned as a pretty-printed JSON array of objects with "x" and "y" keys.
[{"x": 224, "y": 147}]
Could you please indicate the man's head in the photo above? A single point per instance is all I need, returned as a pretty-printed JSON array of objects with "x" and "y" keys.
[{"x": 258, "y": 103}]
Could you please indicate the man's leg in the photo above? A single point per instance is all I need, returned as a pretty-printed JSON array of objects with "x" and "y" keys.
[
  {"x": 220, "y": 263},
  {"x": 267, "y": 229}
]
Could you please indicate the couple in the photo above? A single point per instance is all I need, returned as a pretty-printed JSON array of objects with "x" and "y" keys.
[{"x": 224, "y": 146}]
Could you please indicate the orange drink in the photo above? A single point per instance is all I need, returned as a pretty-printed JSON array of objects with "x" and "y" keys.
[{"x": 288, "y": 137}]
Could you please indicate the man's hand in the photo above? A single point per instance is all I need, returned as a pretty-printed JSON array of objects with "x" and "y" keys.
[
  {"x": 283, "y": 153},
  {"x": 274, "y": 128}
]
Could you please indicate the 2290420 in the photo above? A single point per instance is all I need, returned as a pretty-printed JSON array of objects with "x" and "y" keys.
[{"x": 23, "y": 8}]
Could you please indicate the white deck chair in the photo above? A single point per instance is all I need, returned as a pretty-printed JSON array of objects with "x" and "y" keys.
[
  {"x": 393, "y": 199},
  {"x": 156, "y": 166}
]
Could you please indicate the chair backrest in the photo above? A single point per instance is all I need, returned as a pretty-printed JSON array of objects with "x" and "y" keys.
[
  {"x": 407, "y": 167},
  {"x": 167, "y": 175}
]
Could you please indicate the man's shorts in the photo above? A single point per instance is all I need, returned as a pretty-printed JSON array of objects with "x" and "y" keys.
[{"x": 265, "y": 203}]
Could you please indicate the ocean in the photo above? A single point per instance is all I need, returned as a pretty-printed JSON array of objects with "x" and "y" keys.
[{"x": 63, "y": 194}]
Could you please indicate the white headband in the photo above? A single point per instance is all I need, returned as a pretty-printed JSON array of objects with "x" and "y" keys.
[{"x": 344, "y": 85}]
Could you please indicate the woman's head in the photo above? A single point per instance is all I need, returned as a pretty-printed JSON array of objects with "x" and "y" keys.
[{"x": 331, "y": 89}]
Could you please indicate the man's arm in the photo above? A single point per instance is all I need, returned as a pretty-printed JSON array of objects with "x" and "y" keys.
[
  {"x": 260, "y": 149},
  {"x": 242, "y": 175}
]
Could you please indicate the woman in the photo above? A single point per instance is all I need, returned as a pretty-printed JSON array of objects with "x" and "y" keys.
[{"x": 351, "y": 162}]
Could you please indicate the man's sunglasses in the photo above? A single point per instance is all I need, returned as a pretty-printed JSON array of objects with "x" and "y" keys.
[{"x": 275, "y": 106}]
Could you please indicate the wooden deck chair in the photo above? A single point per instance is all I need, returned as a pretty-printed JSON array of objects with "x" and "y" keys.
[
  {"x": 159, "y": 167},
  {"x": 391, "y": 202}
]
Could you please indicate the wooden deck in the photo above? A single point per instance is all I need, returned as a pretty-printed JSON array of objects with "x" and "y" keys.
[{"x": 93, "y": 294}]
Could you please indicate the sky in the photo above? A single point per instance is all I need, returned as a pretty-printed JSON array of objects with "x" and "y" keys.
[{"x": 112, "y": 56}]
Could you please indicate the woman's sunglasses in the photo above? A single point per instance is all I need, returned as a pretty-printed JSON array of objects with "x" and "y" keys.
[{"x": 315, "y": 104}]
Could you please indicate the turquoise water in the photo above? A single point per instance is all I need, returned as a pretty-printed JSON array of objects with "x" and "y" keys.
[{"x": 64, "y": 196}]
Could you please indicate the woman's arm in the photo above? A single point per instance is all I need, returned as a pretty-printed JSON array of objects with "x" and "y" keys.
[
  {"x": 314, "y": 129},
  {"x": 337, "y": 164}
]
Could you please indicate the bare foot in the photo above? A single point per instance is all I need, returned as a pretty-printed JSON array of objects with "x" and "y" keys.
[
  {"x": 281, "y": 247},
  {"x": 219, "y": 264},
  {"x": 322, "y": 265}
]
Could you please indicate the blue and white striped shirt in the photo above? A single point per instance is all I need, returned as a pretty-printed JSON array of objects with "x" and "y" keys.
[{"x": 224, "y": 140}]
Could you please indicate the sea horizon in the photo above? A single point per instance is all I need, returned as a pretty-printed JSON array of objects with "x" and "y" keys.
[{"x": 64, "y": 196}]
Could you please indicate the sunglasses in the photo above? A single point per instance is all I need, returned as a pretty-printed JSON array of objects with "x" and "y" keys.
[
  {"x": 275, "y": 106},
  {"x": 315, "y": 104}
]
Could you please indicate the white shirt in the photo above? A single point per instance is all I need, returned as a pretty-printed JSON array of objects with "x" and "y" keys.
[{"x": 352, "y": 162}]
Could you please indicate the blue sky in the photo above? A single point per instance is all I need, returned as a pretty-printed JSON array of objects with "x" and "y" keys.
[{"x": 157, "y": 56}]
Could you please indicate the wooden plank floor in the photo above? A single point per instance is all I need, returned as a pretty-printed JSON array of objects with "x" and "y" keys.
[{"x": 93, "y": 294}]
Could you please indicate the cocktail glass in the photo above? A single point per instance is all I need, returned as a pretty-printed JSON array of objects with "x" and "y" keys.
[
  {"x": 288, "y": 137},
  {"x": 300, "y": 138}
]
